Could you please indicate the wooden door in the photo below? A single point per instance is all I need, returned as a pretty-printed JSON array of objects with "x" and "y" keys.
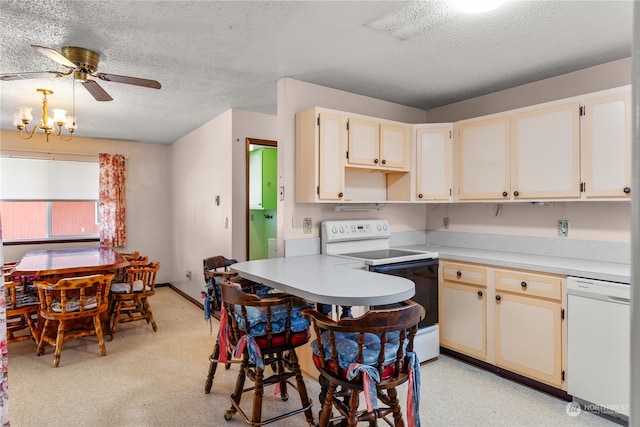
[
  {"x": 463, "y": 318},
  {"x": 545, "y": 153},
  {"x": 528, "y": 334},
  {"x": 484, "y": 167},
  {"x": 607, "y": 146},
  {"x": 364, "y": 142},
  {"x": 433, "y": 163},
  {"x": 395, "y": 150}
]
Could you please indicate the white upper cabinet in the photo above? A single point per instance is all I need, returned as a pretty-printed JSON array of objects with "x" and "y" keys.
[
  {"x": 320, "y": 151},
  {"x": 545, "y": 152},
  {"x": 483, "y": 159},
  {"x": 606, "y": 160},
  {"x": 433, "y": 162},
  {"x": 378, "y": 145}
]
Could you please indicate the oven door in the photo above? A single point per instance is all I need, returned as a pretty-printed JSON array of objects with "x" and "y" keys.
[{"x": 424, "y": 274}]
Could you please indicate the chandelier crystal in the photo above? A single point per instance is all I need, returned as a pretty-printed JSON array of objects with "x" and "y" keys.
[{"x": 47, "y": 124}]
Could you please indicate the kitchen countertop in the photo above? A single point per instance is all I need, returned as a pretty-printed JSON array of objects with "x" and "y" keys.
[
  {"x": 327, "y": 279},
  {"x": 608, "y": 271}
]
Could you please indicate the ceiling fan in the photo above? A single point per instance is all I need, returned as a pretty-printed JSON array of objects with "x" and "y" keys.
[{"x": 83, "y": 63}]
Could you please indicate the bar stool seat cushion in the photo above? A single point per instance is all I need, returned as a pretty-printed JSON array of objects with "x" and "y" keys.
[{"x": 347, "y": 347}]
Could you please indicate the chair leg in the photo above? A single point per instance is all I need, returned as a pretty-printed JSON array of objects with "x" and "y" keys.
[
  {"x": 213, "y": 365},
  {"x": 395, "y": 406},
  {"x": 237, "y": 392},
  {"x": 59, "y": 341},
  {"x": 327, "y": 405},
  {"x": 98, "y": 327},
  {"x": 32, "y": 327},
  {"x": 256, "y": 415},
  {"x": 354, "y": 402},
  {"x": 41, "y": 341},
  {"x": 114, "y": 317},
  {"x": 149, "y": 314},
  {"x": 284, "y": 395},
  {"x": 302, "y": 388}
]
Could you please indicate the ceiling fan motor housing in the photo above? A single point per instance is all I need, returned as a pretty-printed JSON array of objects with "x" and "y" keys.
[{"x": 85, "y": 59}]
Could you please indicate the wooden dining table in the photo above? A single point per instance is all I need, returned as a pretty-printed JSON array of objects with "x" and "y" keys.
[{"x": 54, "y": 264}]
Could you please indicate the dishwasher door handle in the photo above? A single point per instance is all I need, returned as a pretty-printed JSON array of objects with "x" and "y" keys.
[{"x": 619, "y": 300}]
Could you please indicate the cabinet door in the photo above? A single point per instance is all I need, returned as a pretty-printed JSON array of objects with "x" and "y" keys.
[
  {"x": 433, "y": 164},
  {"x": 394, "y": 146},
  {"x": 364, "y": 142},
  {"x": 607, "y": 146},
  {"x": 484, "y": 167},
  {"x": 463, "y": 319},
  {"x": 331, "y": 155},
  {"x": 528, "y": 337},
  {"x": 255, "y": 179},
  {"x": 545, "y": 153}
]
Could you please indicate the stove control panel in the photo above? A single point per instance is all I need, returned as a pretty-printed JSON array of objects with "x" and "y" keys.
[{"x": 349, "y": 230}]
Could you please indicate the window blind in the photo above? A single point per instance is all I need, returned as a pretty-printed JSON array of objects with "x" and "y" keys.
[{"x": 46, "y": 179}]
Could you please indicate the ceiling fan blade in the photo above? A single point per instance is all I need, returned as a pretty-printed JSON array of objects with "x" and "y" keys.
[
  {"x": 129, "y": 80},
  {"x": 55, "y": 55},
  {"x": 96, "y": 91},
  {"x": 30, "y": 75}
]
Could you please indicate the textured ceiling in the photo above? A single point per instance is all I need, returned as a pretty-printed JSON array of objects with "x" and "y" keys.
[{"x": 211, "y": 56}]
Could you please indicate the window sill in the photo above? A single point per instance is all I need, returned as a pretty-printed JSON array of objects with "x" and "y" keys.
[{"x": 48, "y": 241}]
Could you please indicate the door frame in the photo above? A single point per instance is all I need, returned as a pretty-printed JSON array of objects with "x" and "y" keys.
[{"x": 249, "y": 142}]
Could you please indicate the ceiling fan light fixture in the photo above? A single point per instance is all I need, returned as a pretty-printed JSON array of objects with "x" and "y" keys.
[
  {"x": 477, "y": 6},
  {"x": 47, "y": 124}
]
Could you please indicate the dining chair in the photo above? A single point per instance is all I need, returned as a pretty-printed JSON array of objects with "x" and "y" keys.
[
  {"x": 22, "y": 303},
  {"x": 129, "y": 299},
  {"x": 74, "y": 304},
  {"x": 133, "y": 258},
  {"x": 215, "y": 269},
  {"x": 373, "y": 354},
  {"x": 265, "y": 331}
]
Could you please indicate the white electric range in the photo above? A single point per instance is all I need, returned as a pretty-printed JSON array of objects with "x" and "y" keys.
[{"x": 369, "y": 241}]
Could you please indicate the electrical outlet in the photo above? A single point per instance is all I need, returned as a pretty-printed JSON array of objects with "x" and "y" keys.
[
  {"x": 445, "y": 223},
  {"x": 188, "y": 275},
  {"x": 306, "y": 225},
  {"x": 563, "y": 228}
]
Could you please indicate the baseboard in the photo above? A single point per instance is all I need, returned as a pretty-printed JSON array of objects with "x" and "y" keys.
[{"x": 189, "y": 298}]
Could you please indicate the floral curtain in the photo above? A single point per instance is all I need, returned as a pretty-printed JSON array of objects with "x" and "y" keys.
[{"x": 113, "y": 174}]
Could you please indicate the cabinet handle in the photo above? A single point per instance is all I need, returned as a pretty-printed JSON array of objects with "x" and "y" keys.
[
  {"x": 498, "y": 297},
  {"x": 375, "y": 161},
  {"x": 515, "y": 193},
  {"x": 505, "y": 194},
  {"x": 384, "y": 162},
  {"x": 627, "y": 190},
  {"x": 459, "y": 273},
  {"x": 480, "y": 294},
  {"x": 340, "y": 194},
  {"x": 420, "y": 196},
  {"x": 524, "y": 285}
]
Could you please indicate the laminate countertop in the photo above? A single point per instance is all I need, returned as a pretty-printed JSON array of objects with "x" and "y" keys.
[{"x": 609, "y": 271}]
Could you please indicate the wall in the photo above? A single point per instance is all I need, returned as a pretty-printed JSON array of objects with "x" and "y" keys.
[
  {"x": 294, "y": 96},
  {"x": 146, "y": 193},
  {"x": 210, "y": 162}
]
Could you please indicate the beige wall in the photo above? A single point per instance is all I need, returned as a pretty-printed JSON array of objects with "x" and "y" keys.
[
  {"x": 210, "y": 162},
  {"x": 146, "y": 194}
]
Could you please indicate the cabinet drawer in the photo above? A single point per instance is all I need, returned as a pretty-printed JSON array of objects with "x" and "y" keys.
[
  {"x": 539, "y": 285},
  {"x": 464, "y": 273}
]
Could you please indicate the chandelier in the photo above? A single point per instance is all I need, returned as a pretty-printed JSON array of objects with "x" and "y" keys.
[{"x": 48, "y": 125}]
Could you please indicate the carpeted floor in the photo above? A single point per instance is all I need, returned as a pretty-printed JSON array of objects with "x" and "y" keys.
[{"x": 157, "y": 379}]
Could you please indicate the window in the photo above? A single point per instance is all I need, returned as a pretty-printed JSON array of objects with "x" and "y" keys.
[{"x": 48, "y": 199}]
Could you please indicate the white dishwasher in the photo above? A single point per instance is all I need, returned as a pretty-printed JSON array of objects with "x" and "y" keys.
[{"x": 599, "y": 334}]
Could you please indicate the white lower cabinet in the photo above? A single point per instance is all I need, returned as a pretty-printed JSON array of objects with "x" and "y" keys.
[{"x": 514, "y": 320}]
